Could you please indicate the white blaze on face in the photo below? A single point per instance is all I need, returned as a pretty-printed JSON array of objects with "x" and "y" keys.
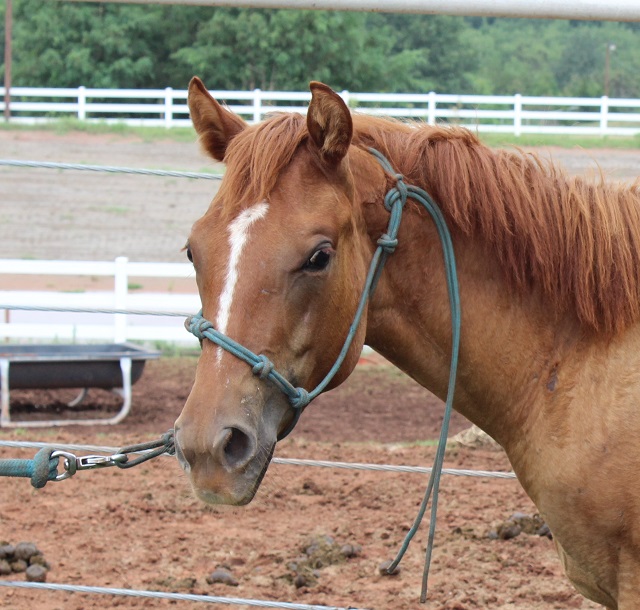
[{"x": 238, "y": 232}]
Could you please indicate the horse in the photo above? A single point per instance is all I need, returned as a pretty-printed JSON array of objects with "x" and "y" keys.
[{"x": 549, "y": 281}]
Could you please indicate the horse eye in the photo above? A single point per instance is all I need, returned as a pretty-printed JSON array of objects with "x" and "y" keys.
[
  {"x": 189, "y": 255},
  {"x": 318, "y": 260}
]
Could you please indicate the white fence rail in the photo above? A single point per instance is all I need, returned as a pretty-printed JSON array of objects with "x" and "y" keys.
[
  {"x": 72, "y": 326},
  {"x": 516, "y": 114}
]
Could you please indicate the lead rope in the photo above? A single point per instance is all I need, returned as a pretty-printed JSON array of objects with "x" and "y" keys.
[
  {"x": 433, "y": 486},
  {"x": 44, "y": 465}
]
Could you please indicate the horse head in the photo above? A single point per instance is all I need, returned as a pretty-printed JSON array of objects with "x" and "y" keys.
[{"x": 280, "y": 258}]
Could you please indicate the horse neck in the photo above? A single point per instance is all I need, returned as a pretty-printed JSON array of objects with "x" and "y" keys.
[{"x": 507, "y": 342}]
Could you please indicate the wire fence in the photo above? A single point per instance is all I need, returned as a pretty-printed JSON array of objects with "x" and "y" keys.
[
  {"x": 184, "y": 597},
  {"x": 288, "y": 461},
  {"x": 109, "y": 169}
]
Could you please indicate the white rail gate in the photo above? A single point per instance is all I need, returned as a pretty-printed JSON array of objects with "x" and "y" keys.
[{"x": 20, "y": 321}]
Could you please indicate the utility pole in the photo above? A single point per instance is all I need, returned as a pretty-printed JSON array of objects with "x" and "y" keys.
[
  {"x": 607, "y": 66},
  {"x": 8, "y": 18}
]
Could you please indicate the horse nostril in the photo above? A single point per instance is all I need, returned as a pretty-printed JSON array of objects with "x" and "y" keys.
[{"x": 238, "y": 448}]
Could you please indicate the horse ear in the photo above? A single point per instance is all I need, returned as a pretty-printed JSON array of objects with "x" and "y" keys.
[
  {"x": 329, "y": 123},
  {"x": 215, "y": 125}
]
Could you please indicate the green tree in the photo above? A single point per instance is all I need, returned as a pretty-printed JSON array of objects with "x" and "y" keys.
[
  {"x": 66, "y": 44},
  {"x": 517, "y": 56},
  {"x": 434, "y": 52},
  {"x": 283, "y": 49},
  {"x": 581, "y": 69},
  {"x": 98, "y": 45}
]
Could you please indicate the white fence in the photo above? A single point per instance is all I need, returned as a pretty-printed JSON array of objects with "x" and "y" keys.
[
  {"x": 51, "y": 325},
  {"x": 517, "y": 114}
]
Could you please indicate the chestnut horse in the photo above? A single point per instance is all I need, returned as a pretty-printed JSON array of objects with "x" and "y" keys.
[{"x": 549, "y": 277}]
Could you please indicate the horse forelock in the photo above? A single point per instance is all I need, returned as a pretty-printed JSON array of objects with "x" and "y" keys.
[
  {"x": 576, "y": 240},
  {"x": 256, "y": 157}
]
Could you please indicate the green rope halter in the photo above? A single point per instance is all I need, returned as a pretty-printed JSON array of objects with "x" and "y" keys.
[{"x": 299, "y": 398}]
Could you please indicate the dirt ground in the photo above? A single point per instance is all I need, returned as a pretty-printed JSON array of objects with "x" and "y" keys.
[{"x": 142, "y": 528}]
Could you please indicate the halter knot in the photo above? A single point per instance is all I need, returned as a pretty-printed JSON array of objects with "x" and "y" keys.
[
  {"x": 387, "y": 243},
  {"x": 402, "y": 188},
  {"x": 301, "y": 400},
  {"x": 398, "y": 194},
  {"x": 197, "y": 325},
  {"x": 263, "y": 367}
]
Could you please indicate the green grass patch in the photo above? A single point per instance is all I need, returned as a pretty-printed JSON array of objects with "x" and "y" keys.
[
  {"x": 187, "y": 134},
  {"x": 500, "y": 140},
  {"x": 116, "y": 209},
  {"x": 64, "y": 126},
  {"x": 170, "y": 349}
]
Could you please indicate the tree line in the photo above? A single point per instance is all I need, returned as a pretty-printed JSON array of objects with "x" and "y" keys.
[{"x": 60, "y": 44}]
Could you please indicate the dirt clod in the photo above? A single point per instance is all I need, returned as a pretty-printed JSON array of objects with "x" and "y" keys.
[
  {"x": 6, "y": 550},
  {"x": 25, "y": 550},
  {"x": 311, "y": 487},
  {"x": 36, "y": 573},
  {"x": 39, "y": 560},
  {"x": 520, "y": 523},
  {"x": 222, "y": 576},
  {"x": 383, "y": 569},
  {"x": 350, "y": 550},
  {"x": 19, "y": 565}
]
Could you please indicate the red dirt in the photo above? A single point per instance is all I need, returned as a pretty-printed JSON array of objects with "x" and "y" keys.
[{"x": 143, "y": 529}]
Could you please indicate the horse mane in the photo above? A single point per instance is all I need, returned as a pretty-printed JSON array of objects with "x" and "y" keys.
[{"x": 577, "y": 240}]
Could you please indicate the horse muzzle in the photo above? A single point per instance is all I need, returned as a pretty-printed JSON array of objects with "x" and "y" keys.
[{"x": 227, "y": 467}]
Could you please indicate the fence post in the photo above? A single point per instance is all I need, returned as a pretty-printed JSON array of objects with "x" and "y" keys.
[
  {"x": 431, "y": 108},
  {"x": 121, "y": 282},
  {"x": 168, "y": 107},
  {"x": 604, "y": 114},
  {"x": 257, "y": 105},
  {"x": 345, "y": 95},
  {"x": 82, "y": 103},
  {"x": 517, "y": 115}
]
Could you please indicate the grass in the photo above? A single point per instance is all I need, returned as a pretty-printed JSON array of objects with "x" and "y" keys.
[
  {"x": 170, "y": 349},
  {"x": 184, "y": 134},
  {"x": 118, "y": 210},
  {"x": 497, "y": 140},
  {"x": 70, "y": 125}
]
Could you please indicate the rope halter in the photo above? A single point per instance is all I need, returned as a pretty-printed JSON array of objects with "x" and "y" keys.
[{"x": 299, "y": 398}]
